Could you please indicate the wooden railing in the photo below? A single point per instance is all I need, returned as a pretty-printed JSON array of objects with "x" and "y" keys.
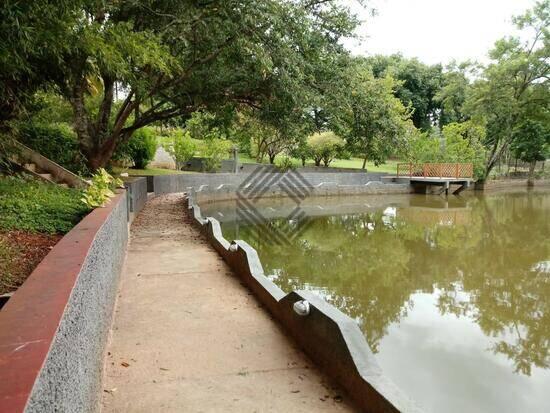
[{"x": 435, "y": 170}]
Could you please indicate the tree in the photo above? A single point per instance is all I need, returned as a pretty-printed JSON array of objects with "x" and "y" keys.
[
  {"x": 181, "y": 147},
  {"x": 464, "y": 143},
  {"x": 452, "y": 94},
  {"x": 515, "y": 86},
  {"x": 171, "y": 59},
  {"x": 458, "y": 143},
  {"x": 33, "y": 37},
  {"x": 531, "y": 143},
  {"x": 373, "y": 120},
  {"x": 140, "y": 148},
  {"x": 324, "y": 147},
  {"x": 417, "y": 85}
]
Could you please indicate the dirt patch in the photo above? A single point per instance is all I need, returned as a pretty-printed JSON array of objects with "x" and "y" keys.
[{"x": 20, "y": 253}]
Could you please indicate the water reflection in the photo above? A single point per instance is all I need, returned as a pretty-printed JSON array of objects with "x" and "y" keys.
[{"x": 480, "y": 263}]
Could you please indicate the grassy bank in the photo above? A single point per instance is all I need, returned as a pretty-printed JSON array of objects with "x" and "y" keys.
[
  {"x": 353, "y": 163},
  {"x": 33, "y": 217}
]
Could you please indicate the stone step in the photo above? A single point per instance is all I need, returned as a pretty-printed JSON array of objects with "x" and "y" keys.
[
  {"x": 30, "y": 167},
  {"x": 49, "y": 177}
]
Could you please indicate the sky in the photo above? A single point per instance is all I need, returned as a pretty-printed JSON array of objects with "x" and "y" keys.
[{"x": 435, "y": 31}]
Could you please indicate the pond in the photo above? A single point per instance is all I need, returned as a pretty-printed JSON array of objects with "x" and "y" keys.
[{"x": 453, "y": 295}]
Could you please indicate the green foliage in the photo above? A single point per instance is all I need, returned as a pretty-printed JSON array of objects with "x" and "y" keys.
[
  {"x": 324, "y": 147},
  {"x": 458, "y": 143},
  {"x": 514, "y": 87},
  {"x": 48, "y": 108},
  {"x": 464, "y": 143},
  {"x": 173, "y": 59},
  {"x": 56, "y": 141},
  {"x": 140, "y": 148},
  {"x": 214, "y": 150},
  {"x": 531, "y": 142},
  {"x": 417, "y": 85},
  {"x": 302, "y": 151},
  {"x": 101, "y": 189},
  {"x": 38, "y": 207},
  {"x": 453, "y": 92},
  {"x": 203, "y": 126},
  {"x": 34, "y": 40},
  {"x": 285, "y": 164},
  {"x": 180, "y": 146},
  {"x": 373, "y": 121}
]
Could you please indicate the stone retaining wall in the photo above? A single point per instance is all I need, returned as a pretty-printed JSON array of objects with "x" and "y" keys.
[
  {"x": 508, "y": 183},
  {"x": 137, "y": 195},
  {"x": 184, "y": 182},
  {"x": 54, "y": 329}
]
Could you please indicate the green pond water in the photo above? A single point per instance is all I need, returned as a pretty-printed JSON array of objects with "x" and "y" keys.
[{"x": 453, "y": 295}]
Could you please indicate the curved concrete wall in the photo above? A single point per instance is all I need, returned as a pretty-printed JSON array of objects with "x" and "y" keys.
[
  {"x": 332, "y": 339},
  {"x": 54, "y": 329},
  {"x": 184, "y": 182}
]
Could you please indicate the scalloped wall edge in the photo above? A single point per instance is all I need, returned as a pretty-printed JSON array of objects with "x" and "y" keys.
[{"x": 330, "y": 338}]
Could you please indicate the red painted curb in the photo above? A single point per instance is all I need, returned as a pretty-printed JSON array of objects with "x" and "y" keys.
[{"x": 31, "y": 318}]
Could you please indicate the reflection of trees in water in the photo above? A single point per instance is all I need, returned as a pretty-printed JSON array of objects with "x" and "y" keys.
[{"x": 370, "y": 266}]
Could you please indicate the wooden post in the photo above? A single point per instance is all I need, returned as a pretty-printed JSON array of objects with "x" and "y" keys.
[{"x": 456, "y": 175}]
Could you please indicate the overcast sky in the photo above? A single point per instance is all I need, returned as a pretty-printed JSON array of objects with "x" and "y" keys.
[{"x": 436, "y": 30}]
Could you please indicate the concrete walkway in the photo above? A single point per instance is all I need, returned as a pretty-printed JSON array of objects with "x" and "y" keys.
[{"x": 188, "y": 337}]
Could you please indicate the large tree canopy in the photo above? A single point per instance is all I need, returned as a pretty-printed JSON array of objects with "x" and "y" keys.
[
  {"x": 170, "y": 59},
  {"x": 515, "y": 86},
  {"x": 418, "y": 86}
]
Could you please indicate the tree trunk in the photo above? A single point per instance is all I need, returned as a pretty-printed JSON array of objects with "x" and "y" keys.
[
  {"x": 272, "y": 158},
  {"x": 303, "y": 161},
  {"x": 530, "y": 179},
  {"x": 364, "y": 162}
]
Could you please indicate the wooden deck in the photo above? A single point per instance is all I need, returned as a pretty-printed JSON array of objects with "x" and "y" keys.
[{"x": 436, "y": 174}]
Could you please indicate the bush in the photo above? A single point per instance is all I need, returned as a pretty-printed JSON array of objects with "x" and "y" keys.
[
  {"x": 214, "y": 150},
  {"x": 180, "y": 146},
  {"x": 140, "y": 148},
  {"x": 324, "y": 146},
  {"x": 284, "y": 164},
  {"x": 459, "y": 142},
  {"x": 57, "y": 142},
  {"x": 39, "y": 207},
  {"x": 101, "y": 189}
]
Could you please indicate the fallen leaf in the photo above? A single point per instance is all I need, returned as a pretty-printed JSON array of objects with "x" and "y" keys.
[{"x": 124, "y": 364}]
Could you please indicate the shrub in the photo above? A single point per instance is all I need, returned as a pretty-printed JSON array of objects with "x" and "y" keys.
[
  {"x": 101, "y": 189},
  {"x": 180, "y": 146},
  {"x": 57, "y": 142},
  {"x": 284, "y": 164},
  {"x": 39, "y": 207},
  {"x": 324, "y": 146},
  {"x": 214, "y": 150},
  {"x": 140, "y": 148},
  {"x": 459, "y": 142}
]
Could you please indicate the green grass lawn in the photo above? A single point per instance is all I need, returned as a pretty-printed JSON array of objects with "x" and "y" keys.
[
  {"x": 148, "y": 171},
  {"x": 354, "y": 163}
]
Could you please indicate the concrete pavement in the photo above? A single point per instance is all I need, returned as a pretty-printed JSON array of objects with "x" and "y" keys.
[{"x": 188, "y": 337}]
